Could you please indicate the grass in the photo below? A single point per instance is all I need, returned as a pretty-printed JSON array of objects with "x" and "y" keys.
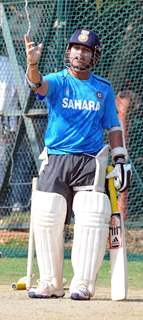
[{"x": 11, "y": 269}]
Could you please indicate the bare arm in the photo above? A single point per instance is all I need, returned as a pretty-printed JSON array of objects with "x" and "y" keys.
[
  {"x": 33, "y": 56},
  {"x": 117, "y": 143},
  {"x": 115, "y": 138}
]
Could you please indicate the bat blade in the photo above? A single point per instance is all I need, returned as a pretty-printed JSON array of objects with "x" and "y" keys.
[
  {"x": 118, "y": 258},
  {"x": 31, "y": 244},
  {"x": 117, "y": 248}
]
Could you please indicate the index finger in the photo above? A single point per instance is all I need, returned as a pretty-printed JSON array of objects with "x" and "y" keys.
[
  {"x": 28, "y": 43},
  {"x": 27, "y": 39}
]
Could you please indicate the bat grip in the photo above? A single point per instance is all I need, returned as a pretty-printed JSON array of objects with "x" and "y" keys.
[{"x": 112, "y": 191}]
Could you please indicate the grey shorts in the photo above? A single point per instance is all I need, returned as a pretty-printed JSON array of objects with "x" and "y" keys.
[{"x": 66, "y": 174}]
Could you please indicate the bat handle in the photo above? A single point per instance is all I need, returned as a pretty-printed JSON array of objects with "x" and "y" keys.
[{"x": 112, "y": 191}]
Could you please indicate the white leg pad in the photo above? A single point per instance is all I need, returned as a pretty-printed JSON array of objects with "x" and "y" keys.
[
  {"x": 92, "y": 215},
  {"x": 48, "y": 212}
]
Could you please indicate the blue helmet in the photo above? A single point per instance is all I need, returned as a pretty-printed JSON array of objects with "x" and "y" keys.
[{"x": 86, "y": 38}]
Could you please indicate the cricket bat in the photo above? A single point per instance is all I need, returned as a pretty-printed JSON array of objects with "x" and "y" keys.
[
  {"x": 31, "y": 244},
  {"x": 117, "y": 247}
]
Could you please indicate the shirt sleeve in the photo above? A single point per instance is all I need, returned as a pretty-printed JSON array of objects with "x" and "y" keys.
[
  {"x": 110, "y": 118},
  {"x": 53, "y": 85}
]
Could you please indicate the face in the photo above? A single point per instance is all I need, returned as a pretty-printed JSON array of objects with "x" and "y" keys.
[{"x": 80, "y": 57}]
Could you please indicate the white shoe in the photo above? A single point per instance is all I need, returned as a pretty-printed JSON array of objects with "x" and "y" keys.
[
  {"x": 81, "y": 293},
  {"x": 45, "y": 291}
]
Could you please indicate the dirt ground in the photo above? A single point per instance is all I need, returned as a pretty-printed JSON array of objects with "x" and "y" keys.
[{"x": 15, "y": 305}]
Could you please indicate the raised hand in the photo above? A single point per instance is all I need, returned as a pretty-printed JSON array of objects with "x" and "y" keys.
[{"x": 33, "y": 52}]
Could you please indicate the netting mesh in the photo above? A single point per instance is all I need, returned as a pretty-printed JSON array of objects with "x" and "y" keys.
[{"x": 23, "y": 120}]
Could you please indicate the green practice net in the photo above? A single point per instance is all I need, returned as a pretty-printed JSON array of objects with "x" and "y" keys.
[{"x": 119, "y": 24}]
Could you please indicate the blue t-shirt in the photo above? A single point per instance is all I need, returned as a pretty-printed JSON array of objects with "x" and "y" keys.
[{"x": 78, "y": 113}]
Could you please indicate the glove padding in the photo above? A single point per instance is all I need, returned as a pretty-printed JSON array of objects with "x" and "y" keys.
[{"x": 122, "y": 176}]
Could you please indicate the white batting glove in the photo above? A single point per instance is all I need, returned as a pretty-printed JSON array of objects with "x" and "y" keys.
[{"x": 122, "y": 174}]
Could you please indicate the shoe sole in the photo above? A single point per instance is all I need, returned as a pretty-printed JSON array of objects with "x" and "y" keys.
[
  {"x": 38, "y": 296},
  {"x": 78, "y": 297}
]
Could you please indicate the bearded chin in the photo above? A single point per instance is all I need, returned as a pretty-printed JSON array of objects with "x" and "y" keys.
[
  {"x": 69, "y": 63},
  {"x": 84, "y": 67}
]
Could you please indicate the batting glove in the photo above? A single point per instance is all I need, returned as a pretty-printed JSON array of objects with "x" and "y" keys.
[{"x": 121, "y": 173}]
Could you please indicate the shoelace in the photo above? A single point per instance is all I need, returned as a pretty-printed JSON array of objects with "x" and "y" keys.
[
  {"x": 44, "y": 284},
  {"x": 84, "y": 290}
]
